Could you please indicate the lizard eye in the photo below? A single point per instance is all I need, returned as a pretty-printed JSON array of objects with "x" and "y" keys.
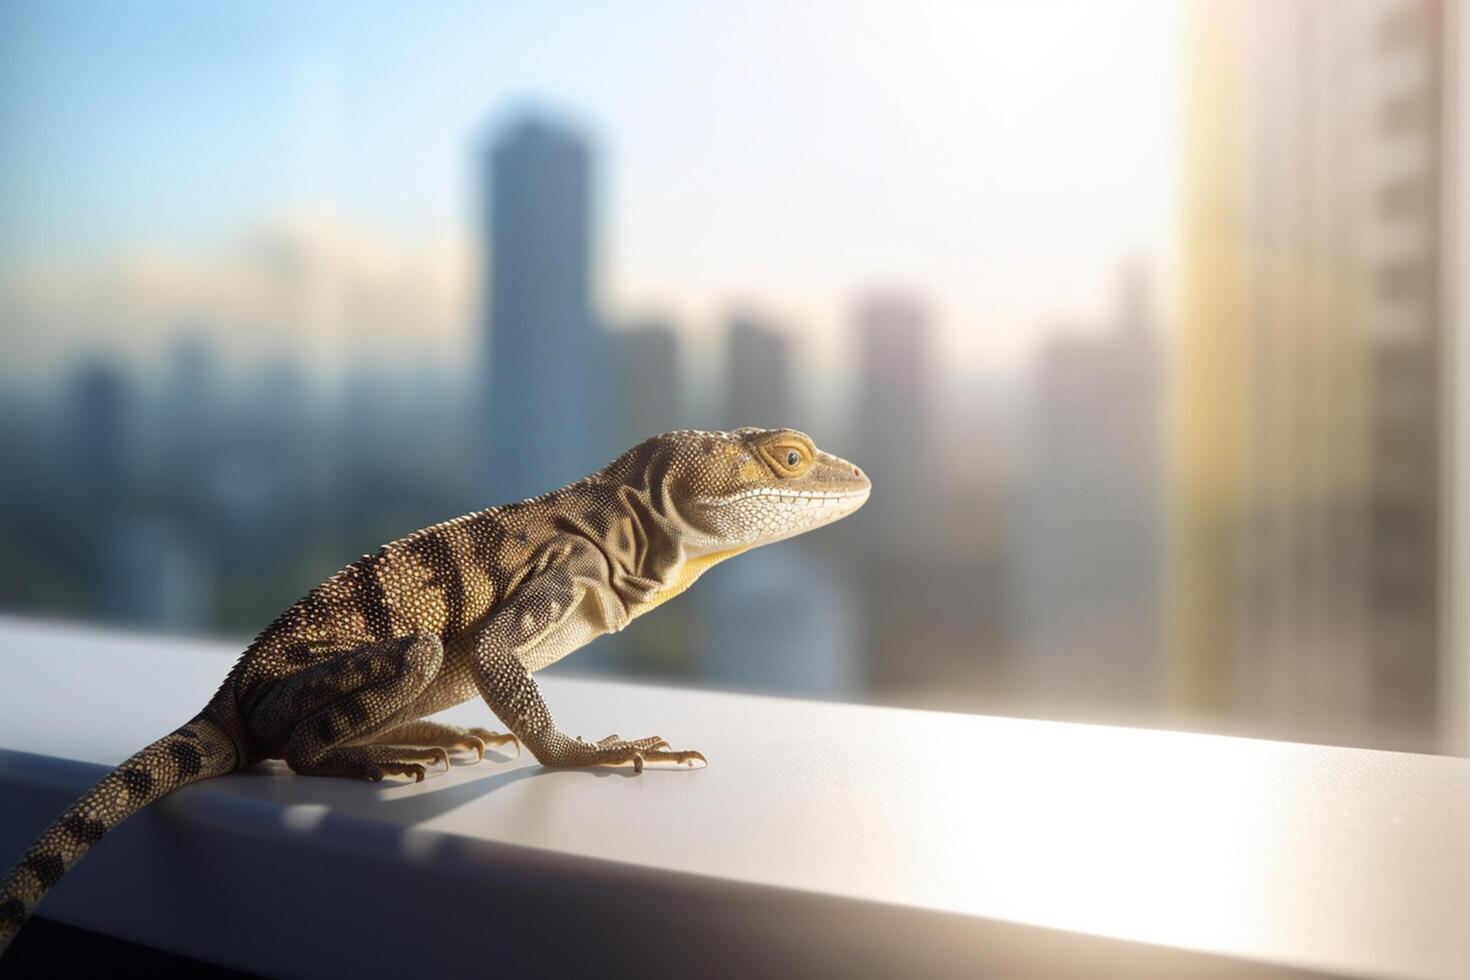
[{"x": 786, "y": 459}]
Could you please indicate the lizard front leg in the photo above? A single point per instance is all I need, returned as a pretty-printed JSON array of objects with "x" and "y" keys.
[{"x": 537, "y": 613}]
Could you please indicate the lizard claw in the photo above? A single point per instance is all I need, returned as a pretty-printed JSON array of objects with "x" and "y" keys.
[
  {"x": 377, "y": 772},
  {"x": 488, "y": 737},
  {"x": 686, "y": 757},
  {"x": 411, "y": 762}
]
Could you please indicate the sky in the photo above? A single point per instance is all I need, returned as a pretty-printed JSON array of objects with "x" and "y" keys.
[{"x": 312, "y": 169}]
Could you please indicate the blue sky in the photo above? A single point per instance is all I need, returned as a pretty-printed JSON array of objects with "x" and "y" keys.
[{"x": 999, "y": 158}]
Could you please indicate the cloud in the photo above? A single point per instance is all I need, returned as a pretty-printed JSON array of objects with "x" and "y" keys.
[{"x": 303, "y": 285}]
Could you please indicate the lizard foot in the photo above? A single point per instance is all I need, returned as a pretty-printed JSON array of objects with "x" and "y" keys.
[
  {"x": 410, "y": 763},
  {"x": 615, "y": 751},
  {"x": 424, "y": 735}
]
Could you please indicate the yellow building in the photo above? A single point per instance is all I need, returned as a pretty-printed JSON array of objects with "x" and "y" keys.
[{"x": 1306, "y": 406}]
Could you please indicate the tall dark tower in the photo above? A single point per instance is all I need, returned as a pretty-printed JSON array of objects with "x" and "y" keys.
[
  {"x": 894, "y": 389},
  {"x": 650, "y": 395},
  {"x": 757, "y": 376},
  {"x": 101, "y": 412},
  {"x": 542, "y": 342}
]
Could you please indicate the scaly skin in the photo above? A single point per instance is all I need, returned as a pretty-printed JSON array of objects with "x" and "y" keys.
[{"x": 340, "y": 683}]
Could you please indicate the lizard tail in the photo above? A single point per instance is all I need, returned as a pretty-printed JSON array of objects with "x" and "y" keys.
[{"x": 197, "y": 750}]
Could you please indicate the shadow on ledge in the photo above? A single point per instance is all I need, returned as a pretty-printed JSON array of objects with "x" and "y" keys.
[{"x": 45, "y": 948}]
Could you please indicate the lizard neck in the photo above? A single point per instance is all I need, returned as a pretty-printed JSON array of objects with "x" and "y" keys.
[
  {"x": 684, "y": 575},
  {"x": 653, "y": 553}
]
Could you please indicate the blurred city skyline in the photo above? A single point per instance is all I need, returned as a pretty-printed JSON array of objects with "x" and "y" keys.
[
  {"x": 237, "y": 178},
  {"x": 1123, "y": 472}
]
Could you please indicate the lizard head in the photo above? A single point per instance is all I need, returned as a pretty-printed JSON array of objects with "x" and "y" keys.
[{"x": 741, "y": 489}]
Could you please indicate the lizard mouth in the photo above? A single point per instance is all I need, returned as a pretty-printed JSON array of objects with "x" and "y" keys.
[
  {"x": 796, "y": 511},
  {"x": 794, "y": 496},
  {"x": 804, "y": 509}
]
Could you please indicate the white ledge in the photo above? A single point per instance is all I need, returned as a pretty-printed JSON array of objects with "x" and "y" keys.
[{"x": 822, "y": 839}]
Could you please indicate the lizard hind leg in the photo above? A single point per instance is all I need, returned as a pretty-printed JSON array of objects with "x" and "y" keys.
[
  {"x": 332, "y": 709},
  {"x": 438, "y": 734}
]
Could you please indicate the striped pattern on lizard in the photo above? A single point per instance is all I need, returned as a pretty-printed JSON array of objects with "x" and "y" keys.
[{"x": 340, "y": 684}]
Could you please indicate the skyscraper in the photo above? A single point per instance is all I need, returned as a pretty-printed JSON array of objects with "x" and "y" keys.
[
  {"x": 101, "y": 423},
  {"x": 1088, "y": 537},
  {"x": 757, "y": 376},
  {"x": 542, "y": 341},
  {"x": 649, "y": 380},
  {"x": 893, "y": 412},
  {"x": 1409, "y": 105},
  {"x": 771, "y": 585},
  {"x": 1205, "y": 444},
  {"x": 1307, "y": 426}
]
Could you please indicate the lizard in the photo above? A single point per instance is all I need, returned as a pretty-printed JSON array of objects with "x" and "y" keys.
[{"x": 343, "y": 681}]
